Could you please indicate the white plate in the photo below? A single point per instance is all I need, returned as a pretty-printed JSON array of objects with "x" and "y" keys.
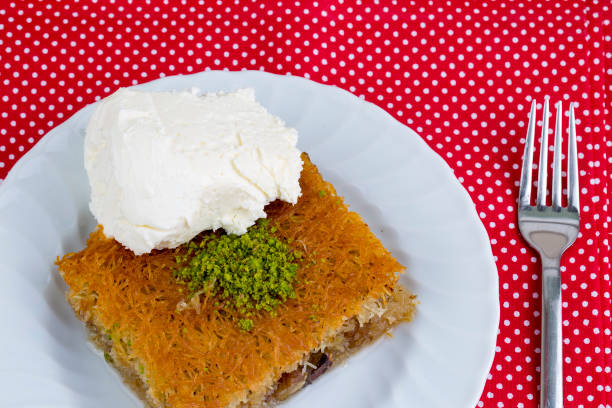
[{"x": 406, "y": 193}]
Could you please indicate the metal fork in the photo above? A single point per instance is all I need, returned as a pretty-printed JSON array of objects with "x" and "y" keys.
[{"x": 550, "y": 230}]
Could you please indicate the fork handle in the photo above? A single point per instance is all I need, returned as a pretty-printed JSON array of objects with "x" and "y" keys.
[{"x": 551, "y": 391}]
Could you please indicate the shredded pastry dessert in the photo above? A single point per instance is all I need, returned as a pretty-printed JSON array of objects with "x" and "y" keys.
[{"x": 180, "y": 351}]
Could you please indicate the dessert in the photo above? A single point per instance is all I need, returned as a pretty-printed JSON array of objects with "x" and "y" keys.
[{"x": 228, "y": 320}]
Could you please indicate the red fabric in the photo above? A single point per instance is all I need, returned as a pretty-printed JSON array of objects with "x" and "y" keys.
[{"x": 461, "y": 74}]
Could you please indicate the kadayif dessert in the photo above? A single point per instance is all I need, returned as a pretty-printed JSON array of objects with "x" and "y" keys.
[{"x": 222, "y": 306}]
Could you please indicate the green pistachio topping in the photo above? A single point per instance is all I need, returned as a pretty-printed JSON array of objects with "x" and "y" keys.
[
  {"x": 108, "y": 357},
  {"x": 245, "y": 324},
  {"x": 251, "y": 272}
]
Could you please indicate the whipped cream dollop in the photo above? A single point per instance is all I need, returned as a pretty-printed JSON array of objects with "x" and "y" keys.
[{"x": 165, "y": 166}]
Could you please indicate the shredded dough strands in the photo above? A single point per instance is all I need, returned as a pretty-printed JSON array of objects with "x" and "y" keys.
[{"x": 135, "y": 298}]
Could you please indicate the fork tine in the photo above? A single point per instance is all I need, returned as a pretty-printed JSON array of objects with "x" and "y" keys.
[
  {"x": 556, "y": 183},
  {"x": 543, "y": 164},
  {"x": 572, "y": 165},
  {"x": 525, "y": 188}
]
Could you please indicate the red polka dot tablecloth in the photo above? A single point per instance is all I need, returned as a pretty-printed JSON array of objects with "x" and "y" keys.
[{"x": 462, "y": 74}]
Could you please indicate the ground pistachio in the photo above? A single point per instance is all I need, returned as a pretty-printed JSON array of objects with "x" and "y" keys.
[{"x": 250, "y": 273}]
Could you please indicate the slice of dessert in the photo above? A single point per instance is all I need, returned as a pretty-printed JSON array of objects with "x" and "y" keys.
[{"x": 185, "y": 332}]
